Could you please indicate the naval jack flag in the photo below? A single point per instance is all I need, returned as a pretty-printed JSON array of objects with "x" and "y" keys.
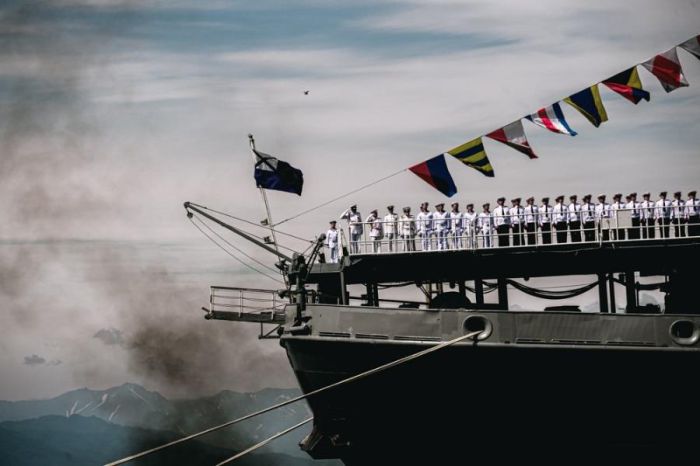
[{"x": 272, "y": 173}]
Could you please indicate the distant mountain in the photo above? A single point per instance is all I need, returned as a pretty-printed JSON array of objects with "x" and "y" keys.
[
  {"x": 78, "y": 441},
  {"x": 132, "y": 405},
  {"x": 127, "y": 404}
]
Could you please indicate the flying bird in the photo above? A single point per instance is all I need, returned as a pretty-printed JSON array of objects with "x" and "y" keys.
[{"x": 306, "y": 92}]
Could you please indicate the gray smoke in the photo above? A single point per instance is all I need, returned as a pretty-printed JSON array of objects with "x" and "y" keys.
[{"x": 51, "y": 145}]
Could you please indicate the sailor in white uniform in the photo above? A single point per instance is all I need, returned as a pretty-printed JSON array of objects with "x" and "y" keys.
[
  {"x": 545, "y": 221},
  {"x": 441, "y": 225},
  {"x": 574, "y": 219},
  {"x": 485, "y": 225},
  {"x": 588, "y": 218},
  {"x": 501, "y": 222},
  {"x": 391, "y": 227},
  {"x": 560, "y": 218},
  {"x": 678, "y": 217},
  {"x": 424, "y": 226},
  {"x": 407, "y": 230},
  {"x": 469, "y": 226},
  {"x": 517, "y": 222},
  {"x": 332, "y": 242},
  {"x": 692, "y": 213},
  {"x": 354, "y": 218},
  {"x": 662, "y": 214},
  {"x": 646, "y": 212},
  {"x": 456, "y": 219},
  {"x": 376, "y": 232},
  {"x": 615, "y": 208},
  {"x": 635, "y": 216},
  {"x": 602, "y": 216},
  {"x": 531, "y": 212}
]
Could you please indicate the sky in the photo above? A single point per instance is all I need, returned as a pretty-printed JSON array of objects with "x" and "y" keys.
[{"x": 113, "y": 113}]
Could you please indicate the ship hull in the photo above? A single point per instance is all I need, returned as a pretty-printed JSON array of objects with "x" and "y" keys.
[{"x": 496, "y": 400}]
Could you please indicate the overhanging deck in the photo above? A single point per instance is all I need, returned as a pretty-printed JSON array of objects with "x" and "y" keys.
[{"x": 648, "y": 257}]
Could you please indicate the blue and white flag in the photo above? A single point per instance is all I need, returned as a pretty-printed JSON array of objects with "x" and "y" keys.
[{"x": 272, "y": 173}]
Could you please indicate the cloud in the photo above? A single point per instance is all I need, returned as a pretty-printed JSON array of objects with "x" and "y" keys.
[
  {"x": 110, "y": 336},
  {"x": 34, "y": 360}
]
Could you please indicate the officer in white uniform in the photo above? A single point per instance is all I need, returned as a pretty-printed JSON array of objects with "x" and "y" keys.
[
  {"x": 545, "y": 221},
  {"x": 615, "y": 208},
  {"x": 390, "y": 227},
  {"x": 560, "y": 217},
  {"x": 635, "y": 215},
  {"x": 376, "y": 232},
  {"x": 517, "y": 222},
  {"x": 588, "y": 219},
  {"x": 602, "y": 216},
  {"x": 485, "y": 225},
  {"x": 469, "y": 226},
  {"x": 424, "y": 226},
  {"x": 456, "y": 226},
  {"x": 531, "y": 212},
  {"x": 501, "y": 221},
  {"x": 662, "y": 214},
  {"x": 441, "y": 225},
  {"x": 678, "y": 217},
  {"x": 575, "y": 219},
  {"x": 646, "y": 212},
  {"x": 692, "y": 213},
  {"x": 332, "y": 236},
  {"x": 407, "y": 230},
  {"x": 354, "y": 218}
]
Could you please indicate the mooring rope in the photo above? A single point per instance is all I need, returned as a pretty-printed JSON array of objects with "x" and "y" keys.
[
  {"x": 264, "y": 442},
  {"x": 353, "y": 378}
]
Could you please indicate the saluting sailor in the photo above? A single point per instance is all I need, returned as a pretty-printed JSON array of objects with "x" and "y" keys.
[
  {"x": 390, "y": 227},
  {"x": 501, "y": 220},
  {"x": 546, "y": 221},
  {"x": 469, "y": 226},
  {"x": 517, "y": 220},
  {"x": 407, "y": 230},
  {"x": 692, "y": 212},
  {"x": 441, "y": 224},
  {"x": 575, "y": 219},
  {"x": 635, "y": 215},
  {"x": 377, "y": 232},
  {"x": 646, "y": 212},
  {"x": 531, "y": 211},
  {"x": 616, "y": 207},
  {"x": 332, "y": 242},
  {"x": 485, "y": 225},
  {"x": 560, "y": 216},
  {"x": 457, "y": 227},
  {"x": 424, "y": 225},
  {"x": 678, "y": 217},
  {"x": 662, "y": 214},
  {"x": 602, "y": 216},
  {"x": 588, "y": 218},
  {"x": 354, "y": 218}
]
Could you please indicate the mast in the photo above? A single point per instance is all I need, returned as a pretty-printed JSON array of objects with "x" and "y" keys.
[{"x": 251, "y": 141}]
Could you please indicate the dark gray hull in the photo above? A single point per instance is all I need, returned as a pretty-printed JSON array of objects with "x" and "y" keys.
[{"x": 500, "y": 398}]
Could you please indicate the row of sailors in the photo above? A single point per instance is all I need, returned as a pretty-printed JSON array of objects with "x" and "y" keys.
[{"x": 581, "y": 219}]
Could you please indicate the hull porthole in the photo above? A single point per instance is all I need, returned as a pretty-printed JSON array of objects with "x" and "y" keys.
[
  {"x": 684, "y": 332},
  {"x": 478, "y": 323}
]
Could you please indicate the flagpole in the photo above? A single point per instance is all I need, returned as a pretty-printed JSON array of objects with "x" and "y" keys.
[{"x": 269, "y": 225}]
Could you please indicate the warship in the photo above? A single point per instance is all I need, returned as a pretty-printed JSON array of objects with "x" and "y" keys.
[{"x": 527, "y": 385}]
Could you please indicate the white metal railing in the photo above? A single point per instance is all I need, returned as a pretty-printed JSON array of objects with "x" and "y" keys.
[
  {"x": 409, "y": 235},
  {"x": 245, "y": 301}
]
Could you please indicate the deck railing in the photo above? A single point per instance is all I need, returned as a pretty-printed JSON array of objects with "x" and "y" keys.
[
  {"x": 264, "y": 303},
  {"x": 416, "y": 235}
]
